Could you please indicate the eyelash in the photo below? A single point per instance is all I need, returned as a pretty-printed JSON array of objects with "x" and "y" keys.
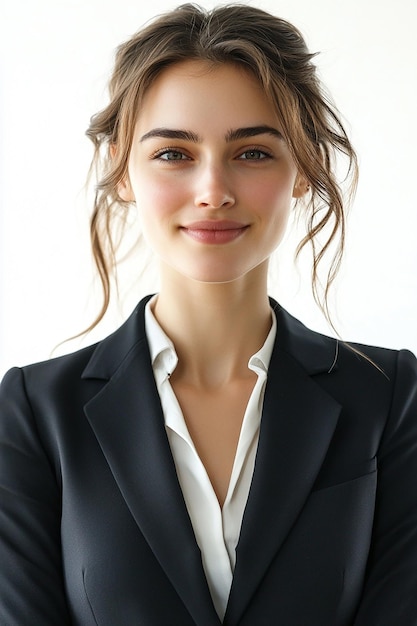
[
  {"x": 265, "y": 153},
  {"x": 163, "y": 151}
]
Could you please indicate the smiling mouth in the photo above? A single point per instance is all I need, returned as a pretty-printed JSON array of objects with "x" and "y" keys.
[{"x": 215, "y": 231}]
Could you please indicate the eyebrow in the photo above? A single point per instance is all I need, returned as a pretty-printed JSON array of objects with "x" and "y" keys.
[
  {"x": 169, "y": 133},
  {"x": 231, "y": 135},
  {"x": 252, "y": 131}
]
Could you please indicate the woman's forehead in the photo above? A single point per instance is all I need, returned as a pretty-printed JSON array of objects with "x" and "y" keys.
[{"x": 205, "y": 92}]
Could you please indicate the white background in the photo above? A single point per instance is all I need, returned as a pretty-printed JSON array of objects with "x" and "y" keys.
[{"x": 56, "y": 56}]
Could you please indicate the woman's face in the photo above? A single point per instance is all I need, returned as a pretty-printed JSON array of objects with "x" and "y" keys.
[{"x": 210, "y": 172}]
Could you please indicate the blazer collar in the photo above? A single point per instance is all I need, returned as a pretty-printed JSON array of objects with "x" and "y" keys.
[
  {"x": 127, "y": 419},
  {"x": 315, "y": 352},
  {"x": 298, "y": 422}
]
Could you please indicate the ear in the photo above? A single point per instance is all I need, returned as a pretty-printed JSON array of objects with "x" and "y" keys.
[
  {"x": 125, "y": 190},
  {"x": 301, "y": 187},
  {"x": 123, "y": 187}
]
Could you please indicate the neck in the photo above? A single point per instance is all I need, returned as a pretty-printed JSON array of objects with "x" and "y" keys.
[{"x": 215, "y": 327}]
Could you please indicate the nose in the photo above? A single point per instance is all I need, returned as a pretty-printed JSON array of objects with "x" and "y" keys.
[{"x": 214, "y": 189}]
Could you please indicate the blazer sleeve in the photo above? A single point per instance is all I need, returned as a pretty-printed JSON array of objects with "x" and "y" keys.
[
  {"x": 31, "y": 578},
  {"x": 390, "y": 592}
]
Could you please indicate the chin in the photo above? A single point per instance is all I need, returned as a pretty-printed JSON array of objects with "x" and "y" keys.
[{"x": 218, "y": 278}]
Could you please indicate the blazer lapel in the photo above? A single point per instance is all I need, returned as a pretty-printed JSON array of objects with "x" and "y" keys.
[
  {"x": 127, "y": 419},
  {"x": 298, "y": 422}
]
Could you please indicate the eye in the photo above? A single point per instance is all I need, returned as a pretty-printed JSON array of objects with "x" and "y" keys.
[
  {"x": 255, "y": 155},
  {"x": 169, "y": 154}
]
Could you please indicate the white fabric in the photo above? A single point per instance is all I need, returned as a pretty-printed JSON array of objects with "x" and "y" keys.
[{"x": 216, "y": 529}]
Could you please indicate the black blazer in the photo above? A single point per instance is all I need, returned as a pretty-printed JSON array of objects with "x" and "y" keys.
[{"x": 93, "y": 525}]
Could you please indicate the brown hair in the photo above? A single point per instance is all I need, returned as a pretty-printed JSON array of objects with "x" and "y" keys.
[{"x": 275, "y": 52}]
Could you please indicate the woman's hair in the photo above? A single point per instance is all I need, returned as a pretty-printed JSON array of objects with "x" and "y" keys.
[{"x": 276, "y": 54}]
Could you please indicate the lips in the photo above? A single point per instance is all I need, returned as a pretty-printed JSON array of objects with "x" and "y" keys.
[{"x": 214, "y": 231}]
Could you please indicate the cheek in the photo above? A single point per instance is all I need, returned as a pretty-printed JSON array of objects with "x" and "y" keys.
[
  {"x": 156, "y": 201},
  {"x": 273, "y": 199}
]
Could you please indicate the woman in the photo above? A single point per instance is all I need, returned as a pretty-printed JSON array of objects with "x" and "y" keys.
[{"x": 213, "y": 461}]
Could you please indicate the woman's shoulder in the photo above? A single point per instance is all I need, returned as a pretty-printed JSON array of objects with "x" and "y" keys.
[
  {"x": 112, "y": 348},
  {"x": 43, "y": 377},
  {"x": 345, "y": 366}
]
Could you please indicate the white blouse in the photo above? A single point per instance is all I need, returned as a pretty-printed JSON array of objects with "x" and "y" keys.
[{"x": 216, "y": 529}]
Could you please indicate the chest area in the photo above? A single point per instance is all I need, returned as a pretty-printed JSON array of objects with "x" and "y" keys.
[{"x": 214, "y": 420}]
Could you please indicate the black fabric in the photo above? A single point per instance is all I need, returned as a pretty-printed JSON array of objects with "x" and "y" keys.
[{"x": 94, "y": 529}]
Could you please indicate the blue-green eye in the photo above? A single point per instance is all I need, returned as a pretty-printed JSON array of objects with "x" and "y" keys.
[
  {"x": 254, "y": 155},
  {"x": 171, "y": 155}
]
